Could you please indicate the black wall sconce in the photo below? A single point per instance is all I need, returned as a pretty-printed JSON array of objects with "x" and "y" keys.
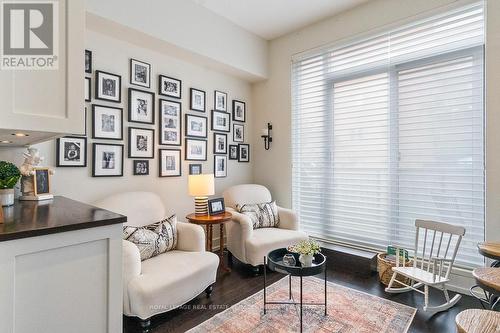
[{"x": 266, "y": 134}]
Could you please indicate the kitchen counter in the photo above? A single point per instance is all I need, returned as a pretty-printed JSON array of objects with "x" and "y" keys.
[{"x": 36, "y": 218}]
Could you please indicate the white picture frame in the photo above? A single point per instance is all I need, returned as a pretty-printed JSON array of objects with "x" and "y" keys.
[
  {"x": 107, "y": 160},
  {"x": 107, "y": 122},
  {"x": 195, "y": 150}
]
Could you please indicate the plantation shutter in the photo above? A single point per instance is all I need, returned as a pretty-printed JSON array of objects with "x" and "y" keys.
[{"x": 390, "y": 129}]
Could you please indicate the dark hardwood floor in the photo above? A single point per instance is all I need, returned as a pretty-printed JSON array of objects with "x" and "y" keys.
[{"x": 233, "y": 287}]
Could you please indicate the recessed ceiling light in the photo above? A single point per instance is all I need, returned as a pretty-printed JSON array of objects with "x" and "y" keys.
[
  {"x": 5, "y": 141},
  {"x": 20, "y": 134}
]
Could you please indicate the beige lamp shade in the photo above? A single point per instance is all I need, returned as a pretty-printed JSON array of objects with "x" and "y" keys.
[{"x": 201, "y": 185}]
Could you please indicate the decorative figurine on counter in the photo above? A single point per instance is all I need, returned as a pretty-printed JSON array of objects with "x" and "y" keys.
[{"x": 35, "y": 181}]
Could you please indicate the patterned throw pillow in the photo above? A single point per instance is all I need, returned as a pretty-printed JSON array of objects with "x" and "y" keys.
[
  {"x": 153, "y": 239},
  {"x": 263, "y": 215}
]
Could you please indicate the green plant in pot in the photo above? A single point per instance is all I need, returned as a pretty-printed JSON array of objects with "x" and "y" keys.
[
  {"x": 307, "y": 249},
  {"x": 9, "y": 176}
]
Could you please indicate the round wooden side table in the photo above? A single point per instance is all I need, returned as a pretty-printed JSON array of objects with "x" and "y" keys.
[
  {"x": 490, "y": 250},
  {"x": 209, "y": 221}
]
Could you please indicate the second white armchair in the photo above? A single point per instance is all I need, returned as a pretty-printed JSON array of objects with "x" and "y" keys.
[{"x": 250, "y": 245}]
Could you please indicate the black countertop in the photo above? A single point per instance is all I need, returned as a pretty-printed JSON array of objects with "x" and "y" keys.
[{"x": 36, "y": 218}]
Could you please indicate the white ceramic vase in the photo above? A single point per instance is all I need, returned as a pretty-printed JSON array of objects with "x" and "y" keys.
[
  {"x": 306, "y": 260},
  {"x": 7, "y": 197}
]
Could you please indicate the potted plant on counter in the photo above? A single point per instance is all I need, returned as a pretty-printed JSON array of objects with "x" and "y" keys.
[
  {"x": 9, "y": 176},
  {"x": 307, "y": 249}
]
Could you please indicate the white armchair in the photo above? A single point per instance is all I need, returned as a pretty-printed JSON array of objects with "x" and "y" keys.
[
  {"x": 171, "y": 279},
  {"x": 249, "y": 245}
]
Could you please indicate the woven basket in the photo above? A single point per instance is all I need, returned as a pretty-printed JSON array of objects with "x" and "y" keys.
[{"x": 385, "y": 272}]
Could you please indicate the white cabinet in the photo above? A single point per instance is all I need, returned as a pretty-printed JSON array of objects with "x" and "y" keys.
[{"x": 47, "y": 103}]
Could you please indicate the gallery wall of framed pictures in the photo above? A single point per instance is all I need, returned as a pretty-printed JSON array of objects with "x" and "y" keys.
[{"x": 153, "y": 125}]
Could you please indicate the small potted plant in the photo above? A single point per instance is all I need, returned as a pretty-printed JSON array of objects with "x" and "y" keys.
[
  {"x": 306, "y": 249},
  {"x": 9, "y": 176}
]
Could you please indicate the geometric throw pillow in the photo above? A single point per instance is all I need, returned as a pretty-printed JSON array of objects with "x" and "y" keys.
[
  {"x": 153, "y": 239},
  {"x": 263, "y": 215}
]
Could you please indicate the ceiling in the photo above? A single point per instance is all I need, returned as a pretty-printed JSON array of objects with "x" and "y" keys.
[{"x": 273, "y": 18}]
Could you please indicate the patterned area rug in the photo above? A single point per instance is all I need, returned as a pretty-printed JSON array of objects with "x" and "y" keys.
[{"x": 349, "y": 311}]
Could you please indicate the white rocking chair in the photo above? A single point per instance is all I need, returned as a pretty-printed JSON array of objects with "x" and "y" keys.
[{"x": 430, "y": 269}]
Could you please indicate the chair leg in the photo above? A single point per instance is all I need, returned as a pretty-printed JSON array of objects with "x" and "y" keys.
[
  {"x": 145, "y": 325},
  {"x": 426, "y": 297},
  {"x": 209, "y": 290}
]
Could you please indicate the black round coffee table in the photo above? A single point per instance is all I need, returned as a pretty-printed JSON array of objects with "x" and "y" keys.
[{"x": 274, "y": 260}]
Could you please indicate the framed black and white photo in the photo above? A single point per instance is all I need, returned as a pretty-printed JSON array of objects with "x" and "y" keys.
[
  {"x": 196, "y": 126},
  {"x": 233, "y": 152},
  {"x": 221, "y": 121},
  {"x": 71, "y": 151},
  {"x": 239, "y": 110},
  {"x": 108, "y": 87},
  {"x": 220, "y": 101},
  {"x": 88, "y": 61},
  {"x": 220, "y": 143},
  {"x": 216, "y": 206},
  {"x": 195, "y": 169},
  {"x": 170, "y": 163},
  {"x": 141, "y": 167},
  {"x": 243, "y": 153},
  {"x": 220, "y": 166},
  {"x": 107, "y": 160},
  {"x": 140, "y": 73},
  {"x": 41, "y": 183},
  {"x": 170, "y": 123},
  {"x": 196, "y": 150},
  {"x": 107, "y": 122},
  {"x": 197, "y": 101},
  {"x": 87, "y": 89},
  {"x": 141, "y": 106},
  {"x": 238, "y": 133},
  {"x": 168, "y": 86},
  {"x": 141, "y": 142}
]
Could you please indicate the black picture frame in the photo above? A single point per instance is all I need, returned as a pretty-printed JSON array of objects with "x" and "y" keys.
[
  {"x": 98, "y": 87},
  {"x": 136, "y": 164},
  {"x": 82, "y": 152},
  {"x": 41, "y": 181},
  {"x": 186, "y": 153},
  {"x": 215, "y": 127},
  {"x": 160, "y": 162},
  {"x": 88, "y": 61},
  {"x": 216, "y": 172},
  {"x": 88, "y": 85},
  {"x": 233, "y": 152},
  {"x": 152, "y": 142},
  {"x": 217, "y": 149},
  {"x": 217, "y": 107},
  {"x": 94, "y": 135},
  {"x": 161, "y": 79},
  {"x": 212, "y": 206},
  {"x": 235, "y": 116},
  {"x": 192, "y": 170},
  {"x": 235, "y": 127},
  {"x": 188, "y": 122},
  {"x": 191, "y": 100},
  {"x": 132, "y": 73},
  {"x": 163, "y": 129},
  {"x": 241, "y": 156},
  {"x": 131, "y": 91},
  {"x": 94, "y": 159}
]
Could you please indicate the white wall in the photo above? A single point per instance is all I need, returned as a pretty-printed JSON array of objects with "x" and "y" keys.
[
  {"x": 112, "y": 55},
  {"x": 193, "y": 28}
]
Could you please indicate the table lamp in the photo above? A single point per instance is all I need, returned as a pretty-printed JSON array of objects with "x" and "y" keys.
[{"x": 200, "y": 187}]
